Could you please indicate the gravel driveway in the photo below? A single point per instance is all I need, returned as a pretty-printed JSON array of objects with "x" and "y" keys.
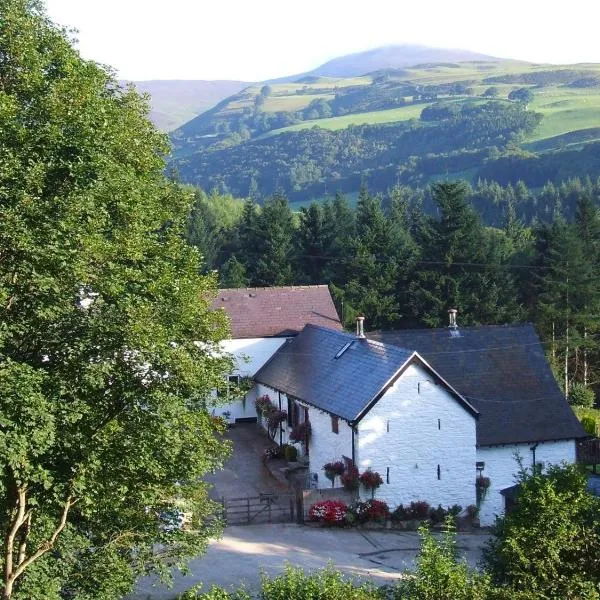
[{"x": 243, "y": 551}]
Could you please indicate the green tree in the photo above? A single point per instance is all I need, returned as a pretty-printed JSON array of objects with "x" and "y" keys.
[
  {"x": 315, "y": 243},
  {"x": 103, "y": 426},
  {"x": 524, "y": 95},
  {"x": 233, "y": 273},
  {"x": 557, "y": 508}
]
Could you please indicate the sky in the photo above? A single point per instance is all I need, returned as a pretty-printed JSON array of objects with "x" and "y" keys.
[{"x": 254, "y": 40}]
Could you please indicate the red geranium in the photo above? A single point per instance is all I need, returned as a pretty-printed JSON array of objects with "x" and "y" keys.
[{"x": 330, "y": 512}]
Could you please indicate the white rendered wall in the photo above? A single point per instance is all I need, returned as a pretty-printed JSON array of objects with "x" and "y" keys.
[
  {"x": 326, "y": 446},
  {"x": 417, "y": 443},
  {"x": 501, "y": 467},
  {"x": 250, "y": 355}
]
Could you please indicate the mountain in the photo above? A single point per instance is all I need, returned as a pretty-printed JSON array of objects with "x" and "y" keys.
[
  {"x": 394, "y": 57},
  {"x": 175, "y": 102},
  {"x": 387, "y": 57}
]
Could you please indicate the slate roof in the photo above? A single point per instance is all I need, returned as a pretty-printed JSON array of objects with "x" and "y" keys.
[
  {"x": 277, "y": 311},
  {"x": 503, "y": 372},
  {"x": 306, "y": 368}
]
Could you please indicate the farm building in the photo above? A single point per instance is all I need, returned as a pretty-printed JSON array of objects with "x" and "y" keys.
[{"x": 432, "y": 412}]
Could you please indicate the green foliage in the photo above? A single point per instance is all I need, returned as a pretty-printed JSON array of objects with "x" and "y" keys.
[
  {"x": 439, "y": 574},
  {"x": 103, "y": 390},
  {"x": 557, "y": 508},
  {"x": 580, "y": 395},
  {"x": 590, "y": 425},
  {"x": 326, "y": 584}
]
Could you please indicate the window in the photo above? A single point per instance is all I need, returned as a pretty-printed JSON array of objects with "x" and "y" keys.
[{"x": 335, "y": 424}]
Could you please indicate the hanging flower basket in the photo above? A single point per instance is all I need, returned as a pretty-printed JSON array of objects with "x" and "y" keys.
[
  {"x": 482, "y": 485},
  {"x": 333, "y": 470}
]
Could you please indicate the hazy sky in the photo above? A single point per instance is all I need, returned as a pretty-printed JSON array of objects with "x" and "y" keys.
[{"x": 254, "y": 40}]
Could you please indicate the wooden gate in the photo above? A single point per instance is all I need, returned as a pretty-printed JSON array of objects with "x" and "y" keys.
[{"x": 264, "y": 508}]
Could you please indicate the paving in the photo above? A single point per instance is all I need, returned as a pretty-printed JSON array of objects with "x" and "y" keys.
[
  {"x": 243, "y": 551},
  {"x": 244, "y": 473}
]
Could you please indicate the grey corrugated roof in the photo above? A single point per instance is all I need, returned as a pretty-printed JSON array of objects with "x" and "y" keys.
[
  {"x": 503, "y": 372},
  {"x": 306, "y": 368}
]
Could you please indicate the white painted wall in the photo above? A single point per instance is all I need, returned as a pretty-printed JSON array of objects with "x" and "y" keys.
[
  {"x": 415, "y": 444},
  {"x": 250, "y": 355},
  {"x": 326, "y": 446},
  {"x": 501, "y": 467}
]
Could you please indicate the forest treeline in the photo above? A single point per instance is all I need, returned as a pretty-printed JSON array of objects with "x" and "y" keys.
[{"x": 403, "y": 266}]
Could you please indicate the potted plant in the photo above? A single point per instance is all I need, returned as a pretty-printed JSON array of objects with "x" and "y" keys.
[
  {"x": 350, "y": 479},
  {"x": 482, "y": 485},
  {"x": 333, "y": 470},
  {"x": 371, "y": 480}
]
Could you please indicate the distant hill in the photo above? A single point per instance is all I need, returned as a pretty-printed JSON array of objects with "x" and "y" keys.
[
  {"x": 174, "y": 102},
  {"x": 387, "y": 57},
  {"x": 394, "y": 57},
  {"x": 413, "y": 124}
]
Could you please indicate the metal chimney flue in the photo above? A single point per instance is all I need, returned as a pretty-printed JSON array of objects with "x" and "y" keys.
[
  {"x": 360, "y": 328},
  {"x": 452, "y": 316}
]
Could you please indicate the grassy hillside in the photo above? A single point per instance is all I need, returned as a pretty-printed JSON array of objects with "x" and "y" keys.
[{"x": 236, "y": 145}]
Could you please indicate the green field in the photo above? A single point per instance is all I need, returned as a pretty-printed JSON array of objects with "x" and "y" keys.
[
  {"x": 565, "y": 110},
  {"x": 292, "y": 103},
  {"x": 393, "y": 115}
]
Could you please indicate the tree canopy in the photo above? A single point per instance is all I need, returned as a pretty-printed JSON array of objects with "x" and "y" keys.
[{"x": 104, "y": 426}]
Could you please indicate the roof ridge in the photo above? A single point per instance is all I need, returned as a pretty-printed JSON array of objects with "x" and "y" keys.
[
  {"x": 460, "y": 328},
  {"x": 353, "y": 337},
  {"x": 275, "y": 287}
]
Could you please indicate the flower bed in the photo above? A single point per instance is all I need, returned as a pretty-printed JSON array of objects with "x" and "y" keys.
[{"x": 328, "y": 512}]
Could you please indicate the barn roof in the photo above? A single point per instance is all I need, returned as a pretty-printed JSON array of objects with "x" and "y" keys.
[
  {"x": 277, "y": 311},
  {"x": 503, "y": 372},
  {"x": 337, "y": 372}
]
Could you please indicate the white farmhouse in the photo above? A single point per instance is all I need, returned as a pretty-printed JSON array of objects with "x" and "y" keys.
[
  {"x": 429, "y": 410},
  {"x": 262, "y": 319}
]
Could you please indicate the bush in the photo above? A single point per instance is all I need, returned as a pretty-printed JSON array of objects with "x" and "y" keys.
[
  {"x": 438, "y": 515},
  {"x": 418, "y": 510},
  {"x": 439, "y": 575},
  {"x": 590, "y": 425},
  {"x": 375, "y": 511},
  {"x": 580, "y": 395},
  {"x": 399, "y": 514},
  {"x": 326, "y": 584},
  {"x": 330, "y": 512},
  {"x": 554, "y": 508},
  {"x": 290, "y": 453}
]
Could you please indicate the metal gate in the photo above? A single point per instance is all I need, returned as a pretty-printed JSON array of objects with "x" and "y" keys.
[{"x": 264, "y": 508}]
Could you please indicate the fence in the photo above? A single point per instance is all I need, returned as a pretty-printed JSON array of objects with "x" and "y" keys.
[{"x": 264, "y": 508}]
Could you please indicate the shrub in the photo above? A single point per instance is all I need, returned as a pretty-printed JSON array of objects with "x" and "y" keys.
[
  {"x": 438, "y": 515},
  {"x": 301, "y": 433},
  {"x": 399, "y": 514},
  {"x": 333, "y": 470},
  {"x": 290, "y": 453},
  {"x": 550, "y": 542},
  {"x": 350, "y": 478},
  {"x": 580, "y": 395},
  {"x": 371, "y": 480},
  {"x": 330, "y": 512},
  {"x": 472, "y": 511},
  {"x": 439, "y": 575},
  {"x": 326, "y": 584},
  {"x": 371, "y": 510},
  {"x": 455, "y": 510},
  {"x": 590, "y": 425},
  {"x": 418, "y": 510}
]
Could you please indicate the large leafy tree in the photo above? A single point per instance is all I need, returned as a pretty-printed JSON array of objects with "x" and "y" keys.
[{"x": 103, "y": 386}]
